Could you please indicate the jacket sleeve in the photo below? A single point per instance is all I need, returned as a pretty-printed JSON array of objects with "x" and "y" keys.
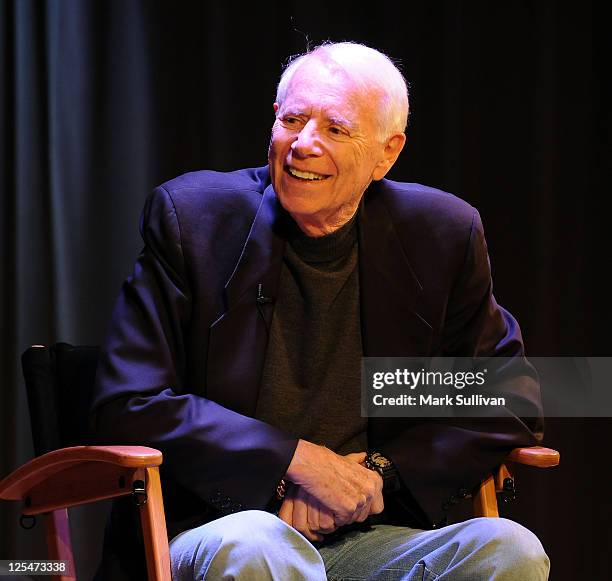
[
  {"x": 228, "y": 460},
  {"x": 442, "y": 460}
]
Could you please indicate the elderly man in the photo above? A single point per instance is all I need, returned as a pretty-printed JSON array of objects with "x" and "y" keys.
[{"x": 235, "y": 349}]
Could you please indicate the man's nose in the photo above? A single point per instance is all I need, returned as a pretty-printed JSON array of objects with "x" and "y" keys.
[{"x": 307, "y": 143}]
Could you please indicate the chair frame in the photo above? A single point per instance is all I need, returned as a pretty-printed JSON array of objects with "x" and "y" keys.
[
  {"x": 53, "y": 482},
  {"x": 484, "y": 497}
]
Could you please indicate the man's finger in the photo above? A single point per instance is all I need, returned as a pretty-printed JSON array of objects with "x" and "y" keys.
[
  {"x": 313, "y": 512},
  {"x": 300, "y": 517},
  {"x": 357, "y": 457},
  {"x": 377, "y": 505},
  {"x": 326, "y": 521},
  {"x": 361, "y": 515},
  {"x": 286, "y": 511}
]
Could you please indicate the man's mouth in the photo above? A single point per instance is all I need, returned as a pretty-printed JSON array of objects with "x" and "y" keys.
[{"x": 307, "y": 176}]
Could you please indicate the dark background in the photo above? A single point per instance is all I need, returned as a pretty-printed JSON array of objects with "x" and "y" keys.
[{"x": 102, "y": 100}]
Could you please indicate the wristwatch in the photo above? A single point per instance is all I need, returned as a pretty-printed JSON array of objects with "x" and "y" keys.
[{"x": 377, "y": 462}]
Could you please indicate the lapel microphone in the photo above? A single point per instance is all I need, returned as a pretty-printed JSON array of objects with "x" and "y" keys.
[{"x": 261, "y": 299}]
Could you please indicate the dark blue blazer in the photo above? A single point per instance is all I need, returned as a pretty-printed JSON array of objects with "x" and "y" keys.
[{"x": 183, "y": 360}]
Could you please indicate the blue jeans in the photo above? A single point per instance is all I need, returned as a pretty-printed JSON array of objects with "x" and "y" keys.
[{"x": 256, "y": 546}]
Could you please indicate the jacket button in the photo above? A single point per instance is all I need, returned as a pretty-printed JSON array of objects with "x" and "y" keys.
[
  {"x": 215, "y": 498},
  {"x": 462, "y": 493}
]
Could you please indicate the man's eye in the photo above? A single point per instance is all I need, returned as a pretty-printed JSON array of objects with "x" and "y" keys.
[
  {"x": 291, "y": 120},
  {"x": 336, "y": 131}
]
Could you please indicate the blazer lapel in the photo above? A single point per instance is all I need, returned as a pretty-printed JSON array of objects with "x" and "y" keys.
[
  {"x": 238, "y": 339},
  {"x": 390, "y": 294},
  {"x": 390, "y": 291}
]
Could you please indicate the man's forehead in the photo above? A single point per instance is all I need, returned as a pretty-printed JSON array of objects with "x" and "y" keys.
[{"x": 328, "y": 111}]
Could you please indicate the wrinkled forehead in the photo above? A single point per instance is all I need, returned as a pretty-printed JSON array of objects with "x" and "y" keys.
[
  {"x": 315, "y": 72},
  {"x": 331, "y": 113},
  {"x": 324, "y": 84}
]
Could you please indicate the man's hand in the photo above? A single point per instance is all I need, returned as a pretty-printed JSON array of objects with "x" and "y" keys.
[
  {"x": 340, "y": 484},
  {"x": 305, "y": 514}
]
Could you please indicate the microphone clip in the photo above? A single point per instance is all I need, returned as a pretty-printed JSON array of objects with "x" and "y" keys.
[{"x": 261, "y": 300}]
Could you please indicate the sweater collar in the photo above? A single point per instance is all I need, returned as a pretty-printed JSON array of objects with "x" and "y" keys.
[{"x": 324, "y": 248}]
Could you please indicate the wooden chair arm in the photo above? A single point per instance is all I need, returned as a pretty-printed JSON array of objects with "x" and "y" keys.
[
  {"x": 534, "y": 456},
  {"x": 53, "y": 482},
  {"x": 77, "y": 475},
  {"x": 484, "y": 496}
]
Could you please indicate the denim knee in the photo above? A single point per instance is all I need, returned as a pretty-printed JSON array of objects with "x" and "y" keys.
[
  {"x": 248, "y": 528},
  {"x": 245, "y": 534},
  {"x": 250, "y": 545},
  {"x": 516, "y": 553}
]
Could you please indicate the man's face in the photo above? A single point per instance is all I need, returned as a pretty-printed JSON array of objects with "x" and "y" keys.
[{"x": 324, "y": 150}]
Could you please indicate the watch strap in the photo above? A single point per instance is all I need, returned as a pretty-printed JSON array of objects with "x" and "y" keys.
[{"x": 386, "y": 468}]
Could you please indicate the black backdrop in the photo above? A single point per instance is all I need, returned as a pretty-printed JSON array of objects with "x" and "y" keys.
[{"x": 102, "y": 100}]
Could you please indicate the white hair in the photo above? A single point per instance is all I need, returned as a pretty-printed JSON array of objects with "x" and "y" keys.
[{"x": 368, "y": 67}]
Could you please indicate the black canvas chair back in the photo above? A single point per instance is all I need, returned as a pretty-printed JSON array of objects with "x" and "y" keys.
[{"x": 59, "y": 383}]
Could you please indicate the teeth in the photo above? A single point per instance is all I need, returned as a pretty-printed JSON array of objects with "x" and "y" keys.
[{"x": 305, "y": 175}]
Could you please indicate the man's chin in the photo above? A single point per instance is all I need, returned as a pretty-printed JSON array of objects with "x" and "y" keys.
[
  {"x": 302, "y": 211},
  {"x": 298, "y": 203}
]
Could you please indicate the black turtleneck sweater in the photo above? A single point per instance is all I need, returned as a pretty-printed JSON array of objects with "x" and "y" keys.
[{"x": 311, "y": 377}]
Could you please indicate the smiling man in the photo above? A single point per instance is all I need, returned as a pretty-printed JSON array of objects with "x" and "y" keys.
[
  {"x": 330, "y": 141},
  {"x": 235, "y": 349}
]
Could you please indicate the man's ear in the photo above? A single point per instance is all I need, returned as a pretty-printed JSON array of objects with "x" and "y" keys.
[
  {"x": 393, "y": 148},
  {"x": 275, "y": 108}
]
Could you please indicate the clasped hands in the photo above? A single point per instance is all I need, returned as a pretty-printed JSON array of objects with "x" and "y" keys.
[{"x": 329, "y": 491}]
